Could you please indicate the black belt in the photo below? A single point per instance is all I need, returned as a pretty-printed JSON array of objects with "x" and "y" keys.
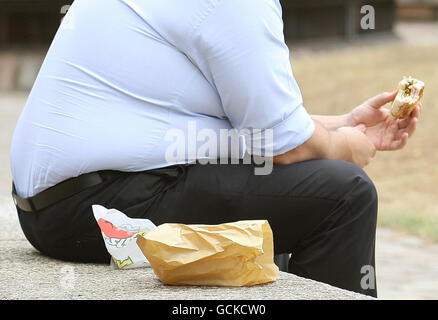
[{"x": 61, "y": 191}]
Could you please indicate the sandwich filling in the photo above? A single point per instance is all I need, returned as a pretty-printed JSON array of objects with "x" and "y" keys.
[{"x": 410, "y": 89}]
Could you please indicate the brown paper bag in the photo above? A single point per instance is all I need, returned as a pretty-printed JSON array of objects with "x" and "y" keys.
[{"x": 230, "y": 254}]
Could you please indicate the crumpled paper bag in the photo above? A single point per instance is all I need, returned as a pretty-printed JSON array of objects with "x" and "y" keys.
[
  {"x": 230, "y": 254},
  {"x": 120, "y": 233}
]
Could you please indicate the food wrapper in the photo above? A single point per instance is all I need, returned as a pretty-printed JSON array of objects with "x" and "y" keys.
[
  {"x": 120, "y": 234},
  {"x": 230, "y": 254}
]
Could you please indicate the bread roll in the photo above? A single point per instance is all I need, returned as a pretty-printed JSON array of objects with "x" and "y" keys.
[{"x": 410, "y": 92}]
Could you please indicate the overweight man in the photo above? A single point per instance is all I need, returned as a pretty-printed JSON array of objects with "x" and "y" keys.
[{"x": 127, "y": 82}]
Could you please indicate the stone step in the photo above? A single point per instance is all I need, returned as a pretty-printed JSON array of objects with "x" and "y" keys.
[
  {"x": 27, "y": 274},
  {"x": 30, "y": 275}
]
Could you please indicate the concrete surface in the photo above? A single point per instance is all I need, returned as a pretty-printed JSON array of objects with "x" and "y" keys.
[
  {"x": 406, "y": 266},
  {"x": 27, "y": 274}
]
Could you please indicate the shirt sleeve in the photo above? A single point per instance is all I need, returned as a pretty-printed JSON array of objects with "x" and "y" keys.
[{"x": 239, "y": 46}]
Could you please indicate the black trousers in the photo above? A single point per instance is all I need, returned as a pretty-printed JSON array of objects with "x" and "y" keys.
[{"x": 323, "y": 212}]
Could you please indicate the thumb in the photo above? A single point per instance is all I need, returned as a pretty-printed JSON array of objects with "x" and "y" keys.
[
  {"x": 361, "y": 127},
  {"x": 381, "y": 99}
]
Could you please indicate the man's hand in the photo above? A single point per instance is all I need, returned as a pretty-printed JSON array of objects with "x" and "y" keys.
[
  {"x": 361, "y": 148},
  {"x": 385, "y": 132}
]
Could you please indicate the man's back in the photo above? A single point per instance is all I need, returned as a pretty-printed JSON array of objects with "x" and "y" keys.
[
  {"x": 98, "y": 102},
  {"x": 121, "y": 74}
]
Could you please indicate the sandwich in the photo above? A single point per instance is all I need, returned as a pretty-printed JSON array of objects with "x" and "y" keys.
[{"x": 410, "y": 92}]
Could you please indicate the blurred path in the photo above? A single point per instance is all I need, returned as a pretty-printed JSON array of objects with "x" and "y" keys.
[
  {"x": 10, "y": 108},
  {"x": 418, "y": 33},
  {"x": 407, "y": 267},
  {"x": 409, "y": 32}
]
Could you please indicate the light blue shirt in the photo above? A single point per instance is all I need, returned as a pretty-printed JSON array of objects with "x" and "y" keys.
[{"x": 121, "y": 73}]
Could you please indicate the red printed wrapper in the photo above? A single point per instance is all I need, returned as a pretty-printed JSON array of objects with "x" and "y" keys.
[{"x": 120, "y": 234}]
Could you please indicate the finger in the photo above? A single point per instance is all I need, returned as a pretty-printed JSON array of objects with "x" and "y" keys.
[
  {"x": 400, "y": 143},
  {"x": 403, "y": 123},
  {"x": 416, "y": 112},
  {"x": 410, "y": 129},
  {"x": 381, "y": 99}
]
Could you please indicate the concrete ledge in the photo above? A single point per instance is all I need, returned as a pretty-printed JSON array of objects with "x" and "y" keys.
[{"x": 27, "y": 274}]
